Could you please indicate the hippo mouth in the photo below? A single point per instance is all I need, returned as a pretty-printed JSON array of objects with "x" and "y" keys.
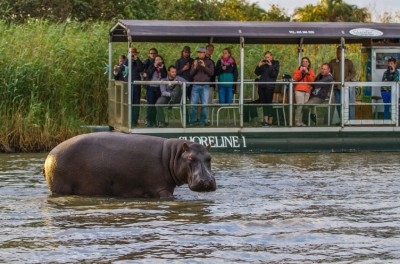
[{"x": 201, "y": 184}]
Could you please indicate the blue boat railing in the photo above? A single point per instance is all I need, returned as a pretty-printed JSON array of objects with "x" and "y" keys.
[{"x": 361, "y": 104}]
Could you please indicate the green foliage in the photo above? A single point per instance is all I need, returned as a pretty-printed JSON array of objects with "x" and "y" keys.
[
  {"x": 52, "y": 82},
  {"x": 331, "y": 11}
]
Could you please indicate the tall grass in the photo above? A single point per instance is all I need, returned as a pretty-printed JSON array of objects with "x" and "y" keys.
[
  {"x": 52, "y": 77},
  {"x": 52, "y": 82}
]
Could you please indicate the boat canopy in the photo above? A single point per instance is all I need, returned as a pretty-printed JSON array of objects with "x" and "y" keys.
[{"x": 252, "y": 32}]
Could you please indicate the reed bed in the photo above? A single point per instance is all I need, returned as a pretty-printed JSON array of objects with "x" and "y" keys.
[{"x": 53, "y": 81}]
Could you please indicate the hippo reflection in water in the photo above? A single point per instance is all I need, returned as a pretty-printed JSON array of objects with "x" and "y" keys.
[{"x": 118, "y": 164}]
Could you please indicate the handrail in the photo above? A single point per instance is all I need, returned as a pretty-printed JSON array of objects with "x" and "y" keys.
[{"x": 345, "y": 104}]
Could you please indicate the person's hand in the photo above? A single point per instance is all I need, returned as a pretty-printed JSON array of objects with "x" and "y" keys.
[
  {"x": 186, "y": 67},
  {"x": 224, "y": 67}
]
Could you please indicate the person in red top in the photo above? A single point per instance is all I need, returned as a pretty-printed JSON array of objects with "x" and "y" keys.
[{"x": 302, "y": 89}]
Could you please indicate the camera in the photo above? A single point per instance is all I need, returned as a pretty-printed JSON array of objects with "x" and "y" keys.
[
  {"x": 160, "y": 64},
  {"x": 198, "y": 61},
  {"x": 390, "y": 68},
  {"x": 286, "y": 77},
  {"x": 303, "y": 71},
  {"x": 265, "y": 61}
]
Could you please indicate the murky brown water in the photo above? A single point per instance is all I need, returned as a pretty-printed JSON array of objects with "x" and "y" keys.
[{"x": 286, "y": 208}]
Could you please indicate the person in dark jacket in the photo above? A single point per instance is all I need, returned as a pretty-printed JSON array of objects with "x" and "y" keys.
[
  {"x": 390, "y": 75},
  {"x": 120, "y": 69},
  {"x": 320, "y": 91},
  {"x": 155, "y": 72},
  {"x": 268, "y": 70},
  {"x": 183, "y": 65},
  {"x": 136, "y": 69},
  {"x": 226, "y": 71}
]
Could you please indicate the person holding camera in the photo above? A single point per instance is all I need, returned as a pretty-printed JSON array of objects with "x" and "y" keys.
[
  {"x": 155, "y": 72},
  {"x": 202, "y": 71},
  {"x": 183, "y": 65},
  {"x": 390, "y": 75},
  {"x": 268, "y": 70},
  {"x": 119, "y": 70},
  {"x": 304, "y": 75}
]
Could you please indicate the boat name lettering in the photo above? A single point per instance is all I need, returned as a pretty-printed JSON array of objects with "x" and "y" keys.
[
  {"x": 366, "y": 32},
  {"x": 218, "y": 141}
]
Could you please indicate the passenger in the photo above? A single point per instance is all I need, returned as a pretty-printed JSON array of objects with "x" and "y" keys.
[
  {"x": 268, "y": 70},
  {"x": 320, "y": 91},
  {"x": 250, "y": 114},
  {"x": 136, "y": 69},
  {"x": 202, "y": 71},
  {"x": 349, "y": 74},
  {"x": 226, "y": 71},
  {"x": 303, "y": 73},
  {"x": 119, "y": 70},
  {"x": 183, "y": 65},
  {"x": 153, "y": 52},
  {"x": 170, "y": 94},
  {"x": 209, "y": 53},
  {"x": 156, "y": 72},
  {"x": 390, "y": 75}
]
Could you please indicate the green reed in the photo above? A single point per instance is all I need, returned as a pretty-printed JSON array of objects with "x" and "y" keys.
[{"x": 52, "y": 79}]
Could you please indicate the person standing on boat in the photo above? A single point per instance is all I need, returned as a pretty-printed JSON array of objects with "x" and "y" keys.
[
  {"x": 226, "y": 71},
  {"x": 156, "y": 72},
  {"x": 349, "y": 74},
  {"x": 304, "y": 75},
  {"x": 320, "y": 91},
  {"x": 136, "y": 69},
  {"x": 390, "y": 75},
  {"x": 202, "y": 71},
  {"x": 268, "y": 70},
  {"x": 170, "y": 94},
  {"x": 153, "y": 52},
  {"x": 183, "y": 65},
  {"x": 119, "y": 70}
]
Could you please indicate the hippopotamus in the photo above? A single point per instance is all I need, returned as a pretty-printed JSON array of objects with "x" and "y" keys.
[{"x": 127, "y": 165}]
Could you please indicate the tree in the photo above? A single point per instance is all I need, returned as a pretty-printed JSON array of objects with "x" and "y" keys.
[{"x": 331, "y": 11}]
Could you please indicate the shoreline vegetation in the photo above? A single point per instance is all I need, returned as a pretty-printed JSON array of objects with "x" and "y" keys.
[{"x": 53, "y": 78}]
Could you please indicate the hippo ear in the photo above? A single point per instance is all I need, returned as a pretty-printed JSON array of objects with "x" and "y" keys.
[
  {"x": 185, "y": 146},
  {"x": 208, "y": 147}
]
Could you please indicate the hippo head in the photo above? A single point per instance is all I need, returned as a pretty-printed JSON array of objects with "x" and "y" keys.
[{"x": 199, "y": 176}]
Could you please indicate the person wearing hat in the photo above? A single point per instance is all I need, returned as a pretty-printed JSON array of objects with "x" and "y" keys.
[
  {"x": 201, "y": 71},
  {"x": 136, "y": 69},
  {"x": 183, "y": 65},
  {"x": 349, "y": 74}
]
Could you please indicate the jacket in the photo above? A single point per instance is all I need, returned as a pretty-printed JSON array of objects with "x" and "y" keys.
[
  {"x": 321, "y": 90},
  {"x": 179, "y": 65},
  {"x": 268, "y": 73},
  {"x": 349, "y": 71},
  {"x": 136, "y": 68},
  {"x": 298, "y": 76},
  {"x": 230, "y": 69},
  {"x": 150, "y": 71},
  {"x": 203, "y": 74}
]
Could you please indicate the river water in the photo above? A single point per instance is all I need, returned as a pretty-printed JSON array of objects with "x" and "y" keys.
[{"x": 268, "y": 208}]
